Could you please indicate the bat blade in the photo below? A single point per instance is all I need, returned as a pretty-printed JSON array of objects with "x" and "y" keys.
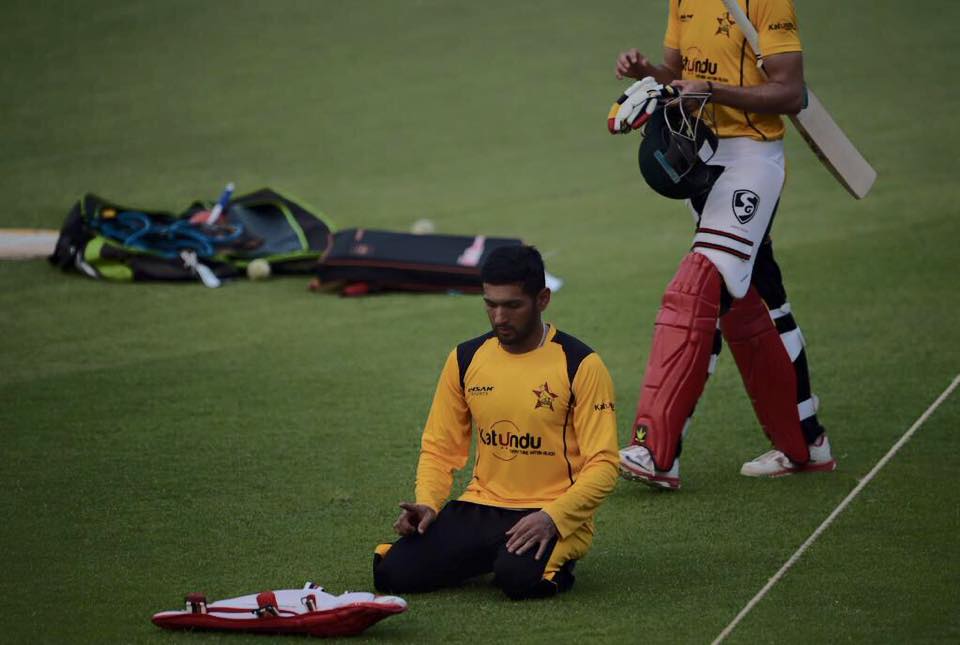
[
  {"x": 817, "y": 127},
  {"x": 834, "y": 148}
]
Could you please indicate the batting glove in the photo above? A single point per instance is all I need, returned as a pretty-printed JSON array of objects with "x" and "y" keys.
[{"x": 635, "y": 106}]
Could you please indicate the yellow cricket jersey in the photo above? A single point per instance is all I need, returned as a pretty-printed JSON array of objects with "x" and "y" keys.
[
  {"x": 545, "y": 426},
  {"x": 714, "y": 49}
]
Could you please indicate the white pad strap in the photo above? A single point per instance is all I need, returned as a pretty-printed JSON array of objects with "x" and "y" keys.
[
  {"x": 793, "y": 341},
  {"x": 809, "y": 407},
  {"x": 781, "y": 311}
]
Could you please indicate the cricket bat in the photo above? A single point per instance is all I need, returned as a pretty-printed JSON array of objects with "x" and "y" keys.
[{"x": 818, "y": 128}]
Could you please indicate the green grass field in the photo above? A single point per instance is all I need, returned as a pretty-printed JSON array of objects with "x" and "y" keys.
[{"x": 160, "y": 439}]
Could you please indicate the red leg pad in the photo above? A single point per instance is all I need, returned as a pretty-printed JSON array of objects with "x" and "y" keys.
[
  {"x": 767, "y": 372},
  {"x": 677, "y": 367}
]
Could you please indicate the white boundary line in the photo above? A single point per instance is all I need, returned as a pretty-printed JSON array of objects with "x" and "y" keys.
[{"x": 839, "y": 509}]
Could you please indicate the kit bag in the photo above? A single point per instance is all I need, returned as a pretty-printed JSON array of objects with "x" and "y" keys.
[
  {"x": 366, "y": 260},
  {"x": 107, "y": 240}
]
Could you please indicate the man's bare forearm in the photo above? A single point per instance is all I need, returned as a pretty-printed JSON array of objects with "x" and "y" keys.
[
  {"x": 768, "y": 98},
  {"x": 671, "y": 69},
  {"x": 663, "y": 74},
  {"x": 781, "y": 93}
]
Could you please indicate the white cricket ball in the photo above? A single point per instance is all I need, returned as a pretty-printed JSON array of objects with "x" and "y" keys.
[
  {"x": 423, "y": 227},
  {"x": 259, "y": 269}
]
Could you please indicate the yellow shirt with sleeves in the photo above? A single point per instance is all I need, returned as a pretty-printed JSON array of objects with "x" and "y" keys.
[
  {"x": 714, "y": 49},
  {"x": 545, "y": 424}
]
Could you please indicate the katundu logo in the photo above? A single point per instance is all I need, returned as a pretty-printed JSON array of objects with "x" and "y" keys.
[
  {"x": 508, "y": 443},
  {"x": 694, "y": 64},
  {"x": 745, "y": 203}
]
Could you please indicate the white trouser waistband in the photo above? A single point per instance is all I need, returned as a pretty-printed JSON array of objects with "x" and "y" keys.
[{"x": 729, "y": 150}]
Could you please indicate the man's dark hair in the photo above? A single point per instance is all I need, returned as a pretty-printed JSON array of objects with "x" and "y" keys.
[{"x": 515, "y": 264}]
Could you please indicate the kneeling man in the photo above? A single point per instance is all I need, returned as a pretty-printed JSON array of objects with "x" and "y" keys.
[{"x": 542, "y": 403}]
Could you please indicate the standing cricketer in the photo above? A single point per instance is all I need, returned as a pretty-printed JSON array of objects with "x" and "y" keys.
[
  {"x": 542, "y": 404},
  {"x": 729, "y": 284}
]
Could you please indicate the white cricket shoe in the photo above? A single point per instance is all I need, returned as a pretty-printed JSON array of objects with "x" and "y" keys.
[
  {"x": 777, "y": 464},
  {"x": 636, "y": 464}
]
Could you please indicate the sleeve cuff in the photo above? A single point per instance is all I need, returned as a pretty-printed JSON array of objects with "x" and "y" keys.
[
  {"x": 780, "y": 49},
  {"x": 563, "y": 528}
]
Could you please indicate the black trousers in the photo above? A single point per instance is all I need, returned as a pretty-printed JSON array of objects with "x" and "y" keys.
[{"x": 467, "y": 540}]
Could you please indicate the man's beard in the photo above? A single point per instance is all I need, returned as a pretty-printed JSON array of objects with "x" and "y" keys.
[{"x": 514, "y": 336}]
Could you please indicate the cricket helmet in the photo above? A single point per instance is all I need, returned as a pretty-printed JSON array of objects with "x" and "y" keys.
[{"x": 677, "y": 146}]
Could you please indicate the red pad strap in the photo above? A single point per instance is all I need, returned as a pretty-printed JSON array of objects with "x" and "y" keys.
[
  {"x": 196, "y": 602},
  {"x": 267, "y": 601},
  {"x": 680, "y": 357},
  {"x": 767, "y": 372}
]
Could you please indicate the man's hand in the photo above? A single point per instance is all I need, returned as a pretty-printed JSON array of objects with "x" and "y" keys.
[
  {"x": 633, "y": 64},
  {"x": 635, "y": 105},
  {"x": 533, "y": 529},
  {"x": 414, "y": 518},
  {"x": 691, "y": 87}
]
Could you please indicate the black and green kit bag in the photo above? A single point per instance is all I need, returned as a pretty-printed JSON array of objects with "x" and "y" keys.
[{"x": 105, "y": 240}]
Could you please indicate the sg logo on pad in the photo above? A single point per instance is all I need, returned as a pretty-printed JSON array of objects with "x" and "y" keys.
[{"x": 745, "y": 203}]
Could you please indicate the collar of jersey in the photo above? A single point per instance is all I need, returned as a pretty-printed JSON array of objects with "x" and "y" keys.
[{"x": 551, "y": 332}]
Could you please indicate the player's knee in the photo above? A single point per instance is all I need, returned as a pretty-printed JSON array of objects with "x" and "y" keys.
[
  {"x": 392, "y": 574},
  {"x": 402, "y": 568},
  {"x": 526, "y": 584},
  {"x": 517, "y": 579},
  {"x": 522, "y": 589},
  {"x": 697, "y": 275},
  {"x": 734, "y": 270},
  {"x": 392, "y": 577},
  {"x": 692, "y": 299}
]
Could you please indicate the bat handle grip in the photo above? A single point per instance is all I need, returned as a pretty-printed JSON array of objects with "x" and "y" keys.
[{"x": 217, "y": 209}]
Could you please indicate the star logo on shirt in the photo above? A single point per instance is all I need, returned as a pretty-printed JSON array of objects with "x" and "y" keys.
[
  {"x": 544, "y": 397},
  {"x": 724, "y": 23}
]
